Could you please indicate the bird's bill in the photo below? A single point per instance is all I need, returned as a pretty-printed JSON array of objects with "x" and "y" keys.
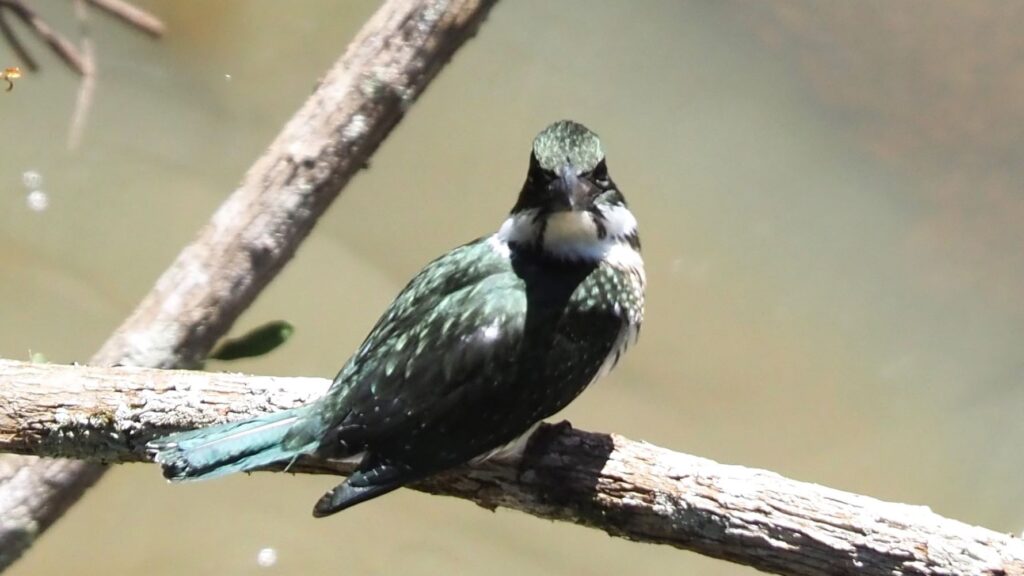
[{"x": 571, "y": 192}]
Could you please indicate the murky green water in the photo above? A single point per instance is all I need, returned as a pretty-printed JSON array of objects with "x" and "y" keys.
[{"x": 830, "y": 200}]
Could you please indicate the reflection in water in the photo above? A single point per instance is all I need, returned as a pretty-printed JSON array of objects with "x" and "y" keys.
[
  {"x": 830, "y": 196},
  {"x": 37, "y": 200},
  {"x": 266, "y": 557}
]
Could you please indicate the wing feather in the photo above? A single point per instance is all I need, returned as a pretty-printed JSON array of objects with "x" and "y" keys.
[{"x": 458, "y": 321}]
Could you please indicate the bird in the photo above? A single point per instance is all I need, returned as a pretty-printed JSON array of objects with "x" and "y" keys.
[{"x": 483, "y": 344}]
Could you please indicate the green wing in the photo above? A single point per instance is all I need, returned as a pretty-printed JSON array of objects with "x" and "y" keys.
[{"x": 449, "y": 334}]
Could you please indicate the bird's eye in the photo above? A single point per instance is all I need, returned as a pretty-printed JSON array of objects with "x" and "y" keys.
[{"x": 600, "y": 175}]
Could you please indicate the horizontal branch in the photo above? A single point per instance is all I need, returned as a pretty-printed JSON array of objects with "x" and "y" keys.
[{"x": 629, "y": 489}]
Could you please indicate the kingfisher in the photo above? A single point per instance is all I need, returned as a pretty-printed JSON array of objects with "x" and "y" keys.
[{"x": 481, "y": 345}]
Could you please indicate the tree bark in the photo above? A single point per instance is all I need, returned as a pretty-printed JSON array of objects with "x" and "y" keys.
[
  {"x": 258, "y": 228},
  {"x": 629, "y": 489}
]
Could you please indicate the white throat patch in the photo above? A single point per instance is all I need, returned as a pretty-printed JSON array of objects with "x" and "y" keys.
[
  {"x": 570, "y": 234},
  {"x": 574, "y": 235}
]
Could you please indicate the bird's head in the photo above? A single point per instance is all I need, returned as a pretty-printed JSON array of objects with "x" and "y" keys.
[{"x": 569, "y": 207}]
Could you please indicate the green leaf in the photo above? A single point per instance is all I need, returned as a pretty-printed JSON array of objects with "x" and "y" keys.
[{"x": 256, "y": 342}]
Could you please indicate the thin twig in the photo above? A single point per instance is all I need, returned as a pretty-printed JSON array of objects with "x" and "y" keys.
[
  {"x": 87, "y": 87},
  {"x": 629, "y": 489},
  {"x": 61, "y": 46},
  {"x": 132, "y": 15},
  {"x": 64, "y": 49},
  {"x": 19, "y": 49}
]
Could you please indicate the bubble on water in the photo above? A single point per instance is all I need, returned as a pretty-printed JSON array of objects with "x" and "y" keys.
[
  {"x": 266, "y": 557},
  {"x": 31, "y": 179},
  {"x": 227, "y": 77},
  {"x": 37, "y": 201}
]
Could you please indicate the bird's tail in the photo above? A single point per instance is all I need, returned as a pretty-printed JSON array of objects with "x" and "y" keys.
[{"x": 235, "y": 446}]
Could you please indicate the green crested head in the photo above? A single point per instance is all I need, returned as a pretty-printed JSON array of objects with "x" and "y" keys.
[
  {"x": 567, "y": 171},
  {"x": 569, "y": 206},
  {"x": 567, "y": 142}
]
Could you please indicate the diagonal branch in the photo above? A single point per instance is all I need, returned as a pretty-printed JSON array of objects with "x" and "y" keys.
[
  {"x": 629, "y": 489},
  {"x": 258, "y": 228}
]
